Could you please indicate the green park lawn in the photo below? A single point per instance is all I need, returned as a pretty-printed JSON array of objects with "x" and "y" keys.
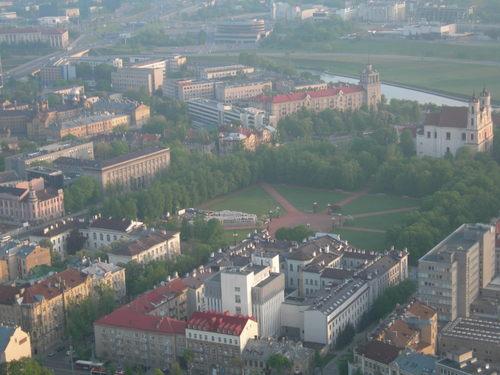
[
  {"x": 377, "y": 202},
  {"x": 363, "y": 240},
  {"x": 303, "y": 197},
  {"x": 237, "y": 235},
  {"x": 253, "y": 200},
  {"x": 382, "y": 222}
]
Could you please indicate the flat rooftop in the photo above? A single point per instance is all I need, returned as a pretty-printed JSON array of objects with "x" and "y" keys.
[
  {"x": 461, "y": 240},
  {"x": 473, "y": 330}
]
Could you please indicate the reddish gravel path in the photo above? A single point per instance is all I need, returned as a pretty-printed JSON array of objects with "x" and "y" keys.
[
  {"x": 287, "y": 206},
  {"x": 352, "y": 197}
]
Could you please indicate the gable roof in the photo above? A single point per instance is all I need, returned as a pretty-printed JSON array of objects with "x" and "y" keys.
[
  {"x": 149, "y": 301},
  {"x": 449, "y": 117},
  {"x": 302, "y": 95},
  {"x": 142, "y": 244},
  {"x": 218, "y": 322},
  {"x": 379, "y": 351}
]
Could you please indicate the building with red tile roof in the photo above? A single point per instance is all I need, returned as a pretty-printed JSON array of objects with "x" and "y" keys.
[
  {"x": 217, "y": 339},
  {"x": 157, "y": 316},
  {"x": 340, "y": 97}
]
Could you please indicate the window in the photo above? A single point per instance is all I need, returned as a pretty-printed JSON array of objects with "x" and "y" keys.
[
  {"x": 237, "y": 298},
  {"x": 435, "y": 134},
  {"x": 448, "y": 136},
  {"x": 238, "y": 310},
  {"x": 428, "y": 134},
  {"x": 236, "y": 288},
  {"x": 464, "y": 137},
  {"x": 472, "y": 137},
  {"x": 291, "y": 267}
]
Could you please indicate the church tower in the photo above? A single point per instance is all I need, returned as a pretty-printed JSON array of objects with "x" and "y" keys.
[
  {"x": 480, "y": 125},
  {"x": 370, "y": 81}
]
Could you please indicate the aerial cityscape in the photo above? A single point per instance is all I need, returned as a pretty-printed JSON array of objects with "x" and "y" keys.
[{"x": 249, "y": 187}]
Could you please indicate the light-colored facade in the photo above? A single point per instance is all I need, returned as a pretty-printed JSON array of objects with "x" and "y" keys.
[
  {"x": 104, "y": 231},
  {"x": 342, "y": 98},
  {"x": 186, "y": 89},
  {"x": 454, "y": 128},
  {"x": 57, "y": 234},
  {"x": 131, "y": 171},
  {"x": 55, "y": 38},
  {"x": 385, "y": 11},
  {"x": 217, "y": 341},
  {"x": 147, "y": 248},
  {"x": 17, "y": 259},
  {"x": 40, "y": 309},
  {"x": 234, "y": 92},
  {"x": 240, "y": 32},
  {"x": 218, "y": 72},
  {"x": 107, "y": 275},
  {"x": 49, "y": 153},
  {"x": 463, "y": 334},
  {"x": 30, "y": 201},
  {"x": 89, "y": 126},
  {"x": 15, "y": 344},
  {"x": 451, "y": 274},
  {"x": 251, "y": 291},
  {"x": 137, "y": 79}
]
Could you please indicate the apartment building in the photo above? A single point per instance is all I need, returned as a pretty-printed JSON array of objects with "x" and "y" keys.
[
  {"x": 49, "y": 153},
  {"x": 30, "y": 201},
  {"x": 226, "y": 71},
  {"x": 137, "y": 78},
  {"x": 236, "y": 92},
  {"x": 462, "y": 334},
  {"x": 331, "y": 311},
  {"x": 18, "y": 259},
  {"x": 383, "y": 11},
  {"x": 342, "y": 98},
  {"x": 258, "y": 351},
  {"x": 147, "y": 248},
  {"x": 57, "y": 234},
  {"x": 451, "y": 274},
  {"x": 250, "y": 290},
  {"x": 128, "y": 336},
  {"x": 40, "y": 309},
  {"x": 103, "y": 231},
  {"x": 107, "y": 275},
  {"x": 139, "y": 113},
  {"x": 55, "y": 38},
  {"x": 217, "y": 341},
  {"x": 413, "y": 326},
  {"x": 131, "y": 171},
  {"x": 212, "y": 114},
  {"x": 374, "y": 358},
  {"x": 15, "y": 344},
  {"x": 187, "y": 89},
  {"x": 89, "y": 126}
]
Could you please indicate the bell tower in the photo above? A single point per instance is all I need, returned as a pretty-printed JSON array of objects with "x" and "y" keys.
[{"x": 370, "y": 81}]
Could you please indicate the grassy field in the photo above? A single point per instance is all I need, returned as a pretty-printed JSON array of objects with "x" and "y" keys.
[
  {"x": 377, "y": 202},
  {"x": 445, "y": 77},
  {"x": 237, "y": 235},
  {"x": 485, "y": 51},
  {"x": 303, "y": 198},
  {"x": 363, "y": 240},
  {"x": 253, "y": 200},
  {"x": 382, "y": 222}
]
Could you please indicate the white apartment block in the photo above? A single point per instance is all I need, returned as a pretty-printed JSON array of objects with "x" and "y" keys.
[
  {"x": 218, "y": 72},
  {"x": 233, "y": 92},
  {"x": 147, "y": 248},
  {"x": 104, "y": 231}
]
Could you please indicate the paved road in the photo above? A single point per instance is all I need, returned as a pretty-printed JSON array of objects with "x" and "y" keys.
[{"x": 60, "y": 364}]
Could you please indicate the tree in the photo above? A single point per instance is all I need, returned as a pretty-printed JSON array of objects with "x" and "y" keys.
[
  {"x": 278, "y": 363},
  {"x": 297, "y": 234},
  {"x": 25, "y": 366},
  {"x": 345, "y": 337},
  {"x": 188, "y": 357},
  {"x": 407, "y": 144},
  {"x": 75, "y": 241},
  {"x": 175, "y": 369},
  {"x": 157, "y": 371}
]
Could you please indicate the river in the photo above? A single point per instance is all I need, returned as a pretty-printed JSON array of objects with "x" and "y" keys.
[{"x": 396, "y": 92}]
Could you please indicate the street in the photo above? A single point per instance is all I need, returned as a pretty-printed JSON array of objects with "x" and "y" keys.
[{"x": 60, "y": 364}]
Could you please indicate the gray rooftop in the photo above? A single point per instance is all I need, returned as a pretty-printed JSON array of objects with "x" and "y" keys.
[
  {"x": 416, "y": 364},
  {"x": 473, "y": 330}
]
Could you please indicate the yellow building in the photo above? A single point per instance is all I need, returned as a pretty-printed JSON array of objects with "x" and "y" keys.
[{"x": 15, "y": 344}]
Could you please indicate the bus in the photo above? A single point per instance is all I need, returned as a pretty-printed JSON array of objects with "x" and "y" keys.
[{"x": 87, "y": 365}]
